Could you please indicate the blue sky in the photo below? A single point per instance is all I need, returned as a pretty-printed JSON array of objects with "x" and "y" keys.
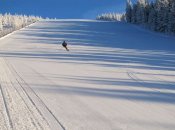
[{"x": 62, "y": 8}]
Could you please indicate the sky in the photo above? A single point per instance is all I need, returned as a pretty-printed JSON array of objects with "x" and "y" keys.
[{"x": 69, "y": 9}]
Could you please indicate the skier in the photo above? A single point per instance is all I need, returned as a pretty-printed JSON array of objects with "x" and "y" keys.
[{"x": 64, "y": 44}]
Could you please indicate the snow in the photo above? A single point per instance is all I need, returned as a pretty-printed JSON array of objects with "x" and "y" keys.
[{"x": 116, "y": 76}]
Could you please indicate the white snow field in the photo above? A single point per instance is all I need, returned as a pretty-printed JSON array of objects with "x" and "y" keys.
[{"x": 116, "y": 76}]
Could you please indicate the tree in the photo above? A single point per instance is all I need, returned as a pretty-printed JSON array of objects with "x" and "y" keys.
[
  {"x": 152, "y": 17},
  {"x": 146, "y": 11},
  {"x": 1, "y": 25},
  {"x": 111, "y": 17},
  {"x": 140, "y": 12},
  {"x": 129, "y": 11},
  {"x": 9, "y": 23},
  {"x": 171, "y": 16},
  {"x": 134, "y": 10},
  {"x": 162, "y": 14},
  {"x": 159, "y": 15}
]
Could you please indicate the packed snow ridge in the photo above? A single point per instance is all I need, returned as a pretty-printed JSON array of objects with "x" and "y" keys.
[{"x": 116, "y": 76}]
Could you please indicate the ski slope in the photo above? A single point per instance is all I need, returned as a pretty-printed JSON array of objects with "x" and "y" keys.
[{"x": 116, "y": 76}]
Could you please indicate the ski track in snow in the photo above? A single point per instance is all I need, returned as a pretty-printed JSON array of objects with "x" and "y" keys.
[
  {"x": 22, "y": 114},
  {"x": 4, "y": 113},
  {"x": 43, "y": 105},
  {"x": 115, "y": 77}
]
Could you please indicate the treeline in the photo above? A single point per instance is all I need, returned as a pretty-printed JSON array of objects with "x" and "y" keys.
[
  {"x": 111, "y": 17},
  {"x": 158, "y": 15},
  {"x": 10, "y": 23}
]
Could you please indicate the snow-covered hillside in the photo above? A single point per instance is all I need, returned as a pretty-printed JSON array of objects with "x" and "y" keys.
[{"x": 116, "y": 76}]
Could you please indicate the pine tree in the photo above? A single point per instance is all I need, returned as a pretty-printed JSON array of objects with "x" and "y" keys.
[
  {"x": 129, "y": 11},
  {"x": 171, "y": 16},
  {"x": 152, "y": 18},
  {"x": 1, "y": 26},
  {"x": 134, "y": 10},
  {"x": 162, "y": 15},
  {"x": 111, "y": 17},
  {"x": 9, "y": 23},
  {"x": 140, "y": 13},
  {"x": 146, "y": 11},
  {"x": 159, "y": 15}
]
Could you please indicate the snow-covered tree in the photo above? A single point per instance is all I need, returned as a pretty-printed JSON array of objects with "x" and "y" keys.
[
  {"x": 111, "y": 17},
  {"x": 161, "y": 7},
  {"x": 159, "y": 15},
  {"x": 152, "y": 17},
  {"x": 141, "y": 11},
  {"x": 1, "y": 26},
  {"x": 128, "y": 11},
  {"x": 171, "y": 17},
  {"x": 146, "y": 11},
  {"x": 9, "y": 23},
  {"x": 134, "y": 10}
]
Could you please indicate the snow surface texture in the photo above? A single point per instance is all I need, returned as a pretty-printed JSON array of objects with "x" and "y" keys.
[{"x": 116, "y": 76}]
